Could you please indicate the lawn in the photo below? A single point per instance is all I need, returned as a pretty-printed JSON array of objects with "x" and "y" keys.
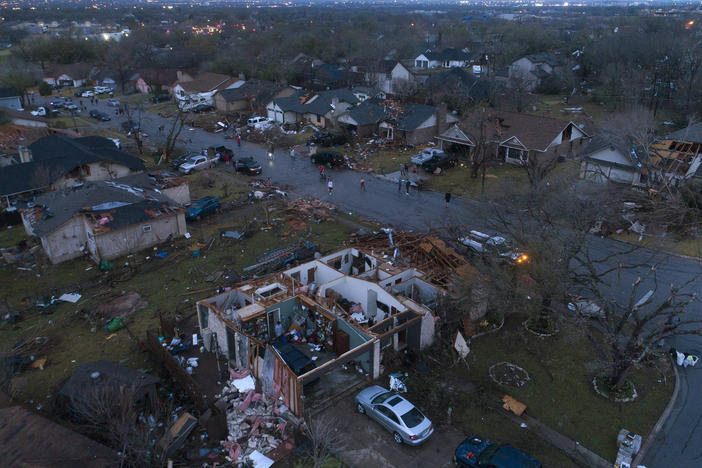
[
  {"x": 459, "y": 182},
  {"x": 691, "y": 247},
  {"x": 74, "y": 337},
  {"x": 560, "y": 393},
  {"x": 70, "y": 122}
]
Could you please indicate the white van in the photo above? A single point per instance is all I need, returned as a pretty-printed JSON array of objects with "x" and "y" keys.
[{"x": 257, "y": 122}]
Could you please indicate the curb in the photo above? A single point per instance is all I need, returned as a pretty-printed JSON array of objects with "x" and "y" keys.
[{"x": 661, "y": 420}]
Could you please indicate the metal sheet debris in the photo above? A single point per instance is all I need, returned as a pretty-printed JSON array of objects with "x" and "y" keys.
[{"x": 70, "y": 297}]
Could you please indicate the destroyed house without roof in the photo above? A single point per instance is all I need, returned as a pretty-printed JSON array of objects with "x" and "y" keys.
[{"x": 338, "y": 310}]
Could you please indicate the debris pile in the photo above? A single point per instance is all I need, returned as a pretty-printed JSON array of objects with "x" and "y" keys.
[
  {"x": 256, "y": 423},
  {"x": 312, "y": 209}
]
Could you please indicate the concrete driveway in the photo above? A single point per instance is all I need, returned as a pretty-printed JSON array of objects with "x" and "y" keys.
[{"x": 368, "y": 444}]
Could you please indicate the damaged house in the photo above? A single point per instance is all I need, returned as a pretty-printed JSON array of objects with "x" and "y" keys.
[
  {"x": 104, "y": 219},
  {"x": 57, "y": 162},
  {"x": 320, "y": 109},
  {"x": 323, "y": 325}
]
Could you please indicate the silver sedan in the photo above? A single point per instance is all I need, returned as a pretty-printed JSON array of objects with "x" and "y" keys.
[{"x": 406, "y": 423}]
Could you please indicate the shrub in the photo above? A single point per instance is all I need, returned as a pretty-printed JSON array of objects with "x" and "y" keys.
[{"x": 45, "y": 89}]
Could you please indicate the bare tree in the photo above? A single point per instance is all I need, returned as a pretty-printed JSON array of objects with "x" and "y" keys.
[
  {"x": 325, "y": 438},
  {"x": 177, "y": 124}
]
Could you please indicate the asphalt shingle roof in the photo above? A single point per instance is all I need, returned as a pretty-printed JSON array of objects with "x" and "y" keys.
[
  {"x": 8, "y": 92},
  {"x": 319, "y": 105},
  {"x": 54, "y": 156},
  {"x": 368, "y": 113},
  {"x": 414, "y": 115},
  {"x": 258, "y": 89},
  {"x": 690, "y": 134}
]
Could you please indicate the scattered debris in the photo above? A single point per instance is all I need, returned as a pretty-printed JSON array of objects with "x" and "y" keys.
[
  {"x": 510, "y": 404},
  {"x": 312, "y": 209},
  {"x": 70, "y": 297},
  {"x": 174, "y": 438}
]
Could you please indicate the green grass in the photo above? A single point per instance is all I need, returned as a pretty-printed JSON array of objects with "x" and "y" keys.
[
  {"x": 164, "y": 283},
  {"x": 459, "y": 182},
  {"x": 12, "y": 236},
  {"x": 218, "y": 183},
  {"x": 168, "y": 108},
  {"x": 690, "y": 247},
  {"x": 69, "y": 122},
  {"x": 387, "y": 160},
  {"x": 560, "y": 393}
]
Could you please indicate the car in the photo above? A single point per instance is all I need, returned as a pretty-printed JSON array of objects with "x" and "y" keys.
[
  {"x": 328, "y": 158},
  {"x": 493, "y": 245},
  {"x": 202, "y": 207},
  {"x": 101, "y": 90},
  {"x": 258, "y": 122},
  {"x": 97, "y": 115},
  {"x": 223, "y": 153},
  {"x": 327, "y": 139},
  {"x": 202, "y": 107},
  {"x": 406, "y": 423},
  {"x": 175, "y": 163},
  {"x": 197, "y": 163},
  {"x": 58, "y": 102},
  {"x": 440, "y": 160},
  {"x": 87, "y": 94},
  {"x": 113, "y": 103},
  {"x": 248, "y": 166},
  {"x": 73, "y": 108},
  {"x": 425, "y": 155},
  {"x": 161, "y": 98},
  {"x": 79, "y": 92},
  {"x": 477, "y": 452}
]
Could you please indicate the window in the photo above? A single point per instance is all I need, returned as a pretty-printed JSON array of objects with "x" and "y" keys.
[
  {"x": 382, "y": 397},
  {"x": 412, "y": 418},
  {"x": 388, "y": 414},
  {"x": 382, "y": 306},
  {"x": 204, "y": 315},
  {"x": 146, "y": 228}
]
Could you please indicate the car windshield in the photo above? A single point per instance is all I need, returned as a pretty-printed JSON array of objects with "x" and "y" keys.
[
  {"x": 486, "y": 455},
  {"x": 412, "y": 418},
  {"x": 382, "y": 397}
]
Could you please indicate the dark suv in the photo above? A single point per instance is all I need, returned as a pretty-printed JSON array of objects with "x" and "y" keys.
[
  {"x": 328, "y": 158},
  {"x": 97, "y": 115},
  {"x": 441, "y": 160},
  {"x": 248, "y": 166},
  {"x": 327, "y": 139},
  {"x": 476, "y": 452}
]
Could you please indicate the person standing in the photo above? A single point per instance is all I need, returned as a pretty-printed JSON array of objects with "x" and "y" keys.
[
  {"x": 363, "y": 184},
  {"x": 399, "y": 184},
  {"x": 238, "y": 140},
  {"x": 447, "y": 198},
  {"x": 407, "y": 186},
  {"x": 330, "y": 186}
]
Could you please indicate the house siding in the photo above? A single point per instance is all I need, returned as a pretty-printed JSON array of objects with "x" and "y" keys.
[
  {"x": 66, "y": 242},
  {"x": 98, "y": 171},
  {"x": 113, "y": 244}
]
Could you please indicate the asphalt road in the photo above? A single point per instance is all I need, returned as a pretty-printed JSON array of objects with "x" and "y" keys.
[{"x": 678, "y": 444}]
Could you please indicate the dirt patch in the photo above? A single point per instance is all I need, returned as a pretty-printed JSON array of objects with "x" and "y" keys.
[{"x": 123, "y": 306}]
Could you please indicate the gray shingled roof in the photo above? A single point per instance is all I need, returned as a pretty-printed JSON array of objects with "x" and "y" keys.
[
  {"x": 447, "y": 54},
  {"x": 319, "y": 105},
  {"x": 690, "y": 134},
  {"x": 368, "y": 113},
  {"x": 54, "y": 156},
  {"x": 122, "y": 204},
  {"x": 261, "y": 90},
  {"x": 414, "y": 115},
  {"x": 111, "y": 373},
  {"x": 549, "y": 59}
]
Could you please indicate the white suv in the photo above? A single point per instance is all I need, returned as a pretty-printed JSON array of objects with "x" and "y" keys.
[{"x": 258, "y": 122}]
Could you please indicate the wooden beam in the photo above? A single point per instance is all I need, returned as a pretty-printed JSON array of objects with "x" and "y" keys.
[{"x": 400, "y": 327}]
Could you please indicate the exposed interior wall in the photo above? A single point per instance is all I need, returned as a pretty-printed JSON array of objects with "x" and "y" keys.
[
  {"x": 179, "y": 194},
  {"x": 322, "y": 273},
  {"x": 356, "y": 338},
  {"x": 356, "y": 291}
]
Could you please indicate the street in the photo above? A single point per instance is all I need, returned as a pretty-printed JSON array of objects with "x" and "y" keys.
[{"x": 677, "y": 445}]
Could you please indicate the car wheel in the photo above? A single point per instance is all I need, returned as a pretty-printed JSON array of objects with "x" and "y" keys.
[
  {"x": 397, "y": 437},
  {"x": 360, "y": 408}
]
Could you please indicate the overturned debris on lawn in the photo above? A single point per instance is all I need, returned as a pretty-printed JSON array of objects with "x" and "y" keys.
[
  {"x": 256, "y": 422},
  {"x": 312, "y": 209}
]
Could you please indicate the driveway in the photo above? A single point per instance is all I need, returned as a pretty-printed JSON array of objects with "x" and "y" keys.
[{"x": 369, "y": 445}]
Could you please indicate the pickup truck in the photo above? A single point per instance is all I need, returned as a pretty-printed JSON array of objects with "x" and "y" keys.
[
  {"x": 498, "y": 246},
  {"x": 197, "y": 163}
]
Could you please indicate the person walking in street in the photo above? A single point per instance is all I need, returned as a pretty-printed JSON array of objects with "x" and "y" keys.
[
  {"x": 399, "y": 184},
  {"x": 322, "y": 174},
  {"x": 408, "y": 184},
  {"x": 330, "y": 186},
  {"x": 363, "y": 184},
  {"x": 447, "y": 198},
  {"x": 238, "y": 140}
]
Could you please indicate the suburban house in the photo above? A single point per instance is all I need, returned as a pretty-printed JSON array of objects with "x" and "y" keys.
[
  {"x": 314, "y": 321},
  {"x": 412, "y": 123},
  {"x": 674, "y": 158},
  {"x": 320, "y": 108},
  {"x": 156, "y": 80},
  {"x": 529, "y": 71},
  {"x": 252, "y": 96},
  {"x": 514, "y": 137},
  {"x": 460, "y": 82},
  {"x": 364, "y": 118},
  {"x": 58, "y": 162},
  {"x": 388, "y": 76},
  {"x": 23, "y": 431},
  {"x": 104, "y": 220},
  {"x": 74, "y": 74},
  {"x": 10, "y": 98},
  {"x": 610, "y": 158},
  {"x": 447, "y": 58},
  {"x": 105, "y": 77},
  {"x": 203, "y": 87}
]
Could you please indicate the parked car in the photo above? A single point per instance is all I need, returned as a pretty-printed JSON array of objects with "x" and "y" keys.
[
  {"x": 73, "y": 108},
  {"x": 97, "y": 115},
  {"x": 202, "y": 107},
  {"x": 425, "y": 155},
  {"x": 102, "y": 90},
  {"x": 328, "y": 158},
  {"x": 44, "y": 112},
  {"x": 58, "y": 102},
  {"x": 202, "y": 207},
  {"x": 175, "y": 163},
  {"x": 223, "y": 152},
  {"x": 439, "y": 160},
  {"x": 406, "y": 423},
  {"x": 113, "y": 103},
  {"x": 161, "y": 98},
  {"x": 495, "y": 246},
  {"x": 197, "y": 163},
  {"x": 87, "y": 94},
  {"x": 257, "y": 122},
  {"x": 248, "y": 166},
  {"x": 322, "y": 138},
  {"x": 79, "y": 92},
  {"x": 476, "y": 452}
]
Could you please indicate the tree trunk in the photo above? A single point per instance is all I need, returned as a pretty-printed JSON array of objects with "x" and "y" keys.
[{"x": 619, "y": 374}]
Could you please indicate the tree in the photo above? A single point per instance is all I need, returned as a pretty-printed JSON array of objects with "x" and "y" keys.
[
  {"x": 177, "y": 124},
  {"x": 119, "y": 57},
  {"x": 19, "y": 75},
  {"x": 325, "y": 438}
]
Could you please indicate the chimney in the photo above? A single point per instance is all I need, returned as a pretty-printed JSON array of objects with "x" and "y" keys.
[
  {"x": 441, "y": 124},
  {"x": 25, "y": 154}
]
